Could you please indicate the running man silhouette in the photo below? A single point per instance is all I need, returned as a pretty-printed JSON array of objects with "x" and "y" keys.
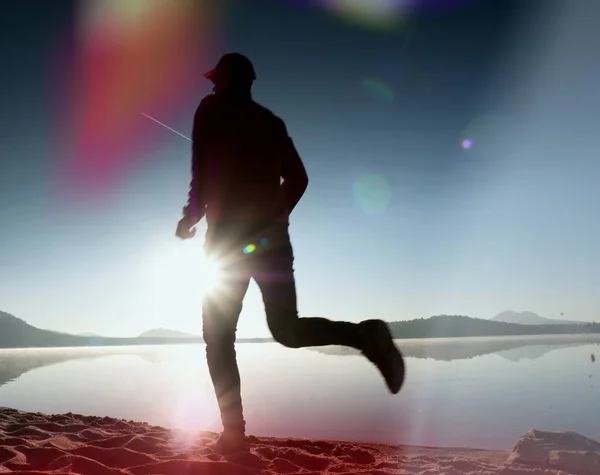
[{"x": 247, "y": 177}]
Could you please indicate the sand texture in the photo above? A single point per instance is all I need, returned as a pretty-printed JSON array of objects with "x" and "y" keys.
[{"x": 33, "y": 443}]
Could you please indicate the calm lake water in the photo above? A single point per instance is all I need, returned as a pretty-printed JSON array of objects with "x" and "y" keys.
[{"x": 474, "y": 392}]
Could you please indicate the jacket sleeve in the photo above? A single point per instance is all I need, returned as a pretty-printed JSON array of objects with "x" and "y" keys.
[
  {"x": 295, "y": 178},
  {"x": 197, "y": 198}
]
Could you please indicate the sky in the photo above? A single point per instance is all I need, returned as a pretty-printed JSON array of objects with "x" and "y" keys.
[{"x": 452, "y": 150}]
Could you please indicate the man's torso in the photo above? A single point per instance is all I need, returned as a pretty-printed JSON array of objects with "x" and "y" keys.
[{"x": 241, "y": 145}]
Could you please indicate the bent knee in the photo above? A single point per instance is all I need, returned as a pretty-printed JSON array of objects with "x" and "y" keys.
[{"x": 286, "y": 336}]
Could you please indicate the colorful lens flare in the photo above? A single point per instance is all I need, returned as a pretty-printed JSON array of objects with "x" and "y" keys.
[
  {"x": 378, "y": 89},
  {"x": 373, "y": 14},
  {"x": 249, "y": 249},
  {"x": 381, "y": 15},
  {"x": 489, "y": 131},
  {"x": 372, "y": 193},
  {"x": 127, "y": 57}
]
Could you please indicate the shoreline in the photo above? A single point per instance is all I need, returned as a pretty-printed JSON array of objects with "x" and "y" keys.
[
  {"x": 539, "y": 339},
  {"x": 68, "y": 444}
]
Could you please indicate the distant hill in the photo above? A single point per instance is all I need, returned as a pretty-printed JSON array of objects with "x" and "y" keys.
[
  {"x": 165, "y": 333},
  {"x": 528, "y": 318},
  {"x": 455, "y": 326},
  {"x": 16, "y": 333},
  {"x": 449, "y": 349}
]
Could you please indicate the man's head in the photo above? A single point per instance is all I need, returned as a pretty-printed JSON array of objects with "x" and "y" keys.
[{"x": 234, "y": 70}]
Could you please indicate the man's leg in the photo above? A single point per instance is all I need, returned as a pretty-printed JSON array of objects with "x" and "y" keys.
[
  {"x": 220, "y": 314},
  {"x": 274, "y": 274}
]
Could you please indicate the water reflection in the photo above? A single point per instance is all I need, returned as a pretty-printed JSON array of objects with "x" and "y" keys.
[
  {"x": 15, "y": 363},
  {"x": 469, "y": 392},
  {"x": 448, "y": 349}
]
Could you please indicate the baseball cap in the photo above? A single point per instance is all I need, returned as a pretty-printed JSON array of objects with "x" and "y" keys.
[{"x": 232, "y": 64}]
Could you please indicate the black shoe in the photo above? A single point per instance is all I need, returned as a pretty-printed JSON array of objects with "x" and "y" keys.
[
  {"x": 230, "y": 442},
  {"x": 379, "y": 348}
]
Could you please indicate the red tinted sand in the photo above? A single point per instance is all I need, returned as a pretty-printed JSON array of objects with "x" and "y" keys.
[{"x": 72, "y": 444}]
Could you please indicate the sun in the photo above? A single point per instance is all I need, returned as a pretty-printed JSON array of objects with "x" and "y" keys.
[
  {"x": 211, "y": 271},
  {"x": 181, "y": 269}
]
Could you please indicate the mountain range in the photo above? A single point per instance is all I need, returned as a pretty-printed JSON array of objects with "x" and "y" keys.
[
  {"x": 16, "y": 333},
  {"x": 529, "y": 318}
]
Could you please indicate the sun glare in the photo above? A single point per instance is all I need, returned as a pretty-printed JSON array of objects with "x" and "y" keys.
[
  {"x": 211, "y": 272},
  {"x": 181, "y": 268}
]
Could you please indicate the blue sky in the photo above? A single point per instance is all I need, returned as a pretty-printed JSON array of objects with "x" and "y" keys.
[{"x": 399, "y": 220}]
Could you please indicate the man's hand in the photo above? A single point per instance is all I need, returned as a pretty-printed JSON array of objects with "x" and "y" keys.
[{"x": 186, "y": 227}]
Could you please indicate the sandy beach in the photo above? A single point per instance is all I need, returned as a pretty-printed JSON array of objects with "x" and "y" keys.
[{"x": 34, "y": 443}]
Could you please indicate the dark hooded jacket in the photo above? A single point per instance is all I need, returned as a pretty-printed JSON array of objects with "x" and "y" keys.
[{"x": 245, "y": 167}]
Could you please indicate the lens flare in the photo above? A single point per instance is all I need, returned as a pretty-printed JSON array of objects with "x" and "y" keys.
[
  {"x": 249, "y": 249},
  {"x": 488, "y": 131},
  {"x": 378, "y": 89},
  {"x": 213, "y": 275},
  {"x": 372, "y": 14},
  {"x": 372, "y": 193},
  {"x": 125, "y": 57},
  {"x": 386, "y": 16}
]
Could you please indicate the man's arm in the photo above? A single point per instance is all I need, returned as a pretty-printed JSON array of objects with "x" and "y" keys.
[
  {"x": 295, "y": 178},
  {"x": 195, "y": 208}
]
